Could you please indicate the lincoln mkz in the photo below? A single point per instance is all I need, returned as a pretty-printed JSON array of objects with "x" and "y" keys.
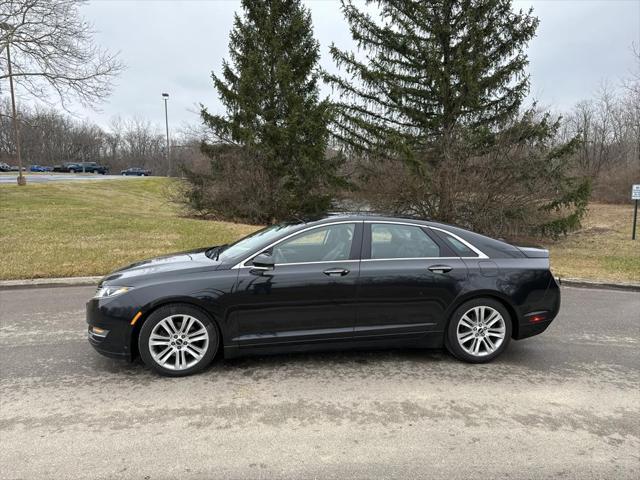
[{"x": 342, "y": 281}]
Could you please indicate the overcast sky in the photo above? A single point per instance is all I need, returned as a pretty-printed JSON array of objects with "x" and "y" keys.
[{"x": 172, "y": 46}]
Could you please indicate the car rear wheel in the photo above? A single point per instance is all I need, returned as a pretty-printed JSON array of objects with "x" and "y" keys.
[
  {"x": 142, "y": 175},
  {"x": 178, "y": 340},
  {"x": 71, "y": 170},
  {"x": 479, "y": 330}
]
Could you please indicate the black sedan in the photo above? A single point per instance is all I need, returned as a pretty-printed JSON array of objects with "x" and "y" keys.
[
  {"x": 342, "y": 281},
  {"x": 136, "y": 171}
]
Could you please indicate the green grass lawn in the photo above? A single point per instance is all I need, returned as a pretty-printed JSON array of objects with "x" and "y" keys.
[
  {"x": 62, "y": 229},
  {"x": 602, "y": 249}
]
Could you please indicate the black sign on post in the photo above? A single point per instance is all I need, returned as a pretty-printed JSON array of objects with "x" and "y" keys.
[{"x": 635, "y": 196}]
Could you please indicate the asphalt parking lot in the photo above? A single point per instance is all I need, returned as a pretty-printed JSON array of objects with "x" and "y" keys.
[
  {"x": 565, "y": 404},
  {"x": 59, "y": 177}
]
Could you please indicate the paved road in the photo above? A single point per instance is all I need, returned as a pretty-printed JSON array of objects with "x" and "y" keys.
[
  {"x": 71, "y": 177},
  {"x": 562, "y": 405}
]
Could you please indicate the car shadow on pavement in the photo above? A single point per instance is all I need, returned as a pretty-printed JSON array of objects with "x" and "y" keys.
[{"x": 521, "y": 358}]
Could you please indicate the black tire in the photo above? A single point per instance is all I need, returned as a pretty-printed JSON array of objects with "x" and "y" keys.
[
  {"x": 178, "y": 309},
  {"x": 71, "y": 170},
  {"x": 454, "y": 345}
]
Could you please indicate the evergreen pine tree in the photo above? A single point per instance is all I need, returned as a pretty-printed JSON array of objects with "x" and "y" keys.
[
  {"x": 275, "y": 125},
  {"x": 439, "y": 80}
]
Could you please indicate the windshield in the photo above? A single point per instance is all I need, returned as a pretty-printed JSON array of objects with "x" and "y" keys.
[{"x": 250, "y": 244}]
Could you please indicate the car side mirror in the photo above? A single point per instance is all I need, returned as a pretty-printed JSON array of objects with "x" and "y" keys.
[{"x": 263, "y": 262}]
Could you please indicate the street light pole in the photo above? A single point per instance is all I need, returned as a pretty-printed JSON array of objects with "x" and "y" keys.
[
  {"x": 22, "y": 180},
  {"x": 165, "y": 97}
]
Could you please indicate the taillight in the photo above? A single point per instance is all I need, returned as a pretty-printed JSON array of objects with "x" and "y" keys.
[{"x": 536, "y": 317}]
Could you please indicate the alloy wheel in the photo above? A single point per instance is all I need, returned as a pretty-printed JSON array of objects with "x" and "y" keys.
[
  {"x": 481, "y": 331},
  {"x": 178, "y": 342}
]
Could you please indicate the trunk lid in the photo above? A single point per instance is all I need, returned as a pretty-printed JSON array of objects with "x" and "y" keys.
[{"x": 534, "y": 252}]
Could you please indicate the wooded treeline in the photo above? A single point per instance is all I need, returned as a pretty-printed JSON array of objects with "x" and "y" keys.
[
  {"x": 607, "y": 124},
  {"x": 50, "y": 137}
]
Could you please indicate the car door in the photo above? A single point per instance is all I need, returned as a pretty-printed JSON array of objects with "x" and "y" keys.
[
  {"x": 309, "y": 295},
  {"x": 408, "y": 280}
]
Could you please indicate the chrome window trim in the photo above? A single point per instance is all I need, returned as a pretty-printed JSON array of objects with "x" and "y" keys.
[
  {"x": 481, "y": 254},
  {"x": 310, "y": 263},
  {"x": 241, "y": 264},
  {"x": 411, "y": 258}
]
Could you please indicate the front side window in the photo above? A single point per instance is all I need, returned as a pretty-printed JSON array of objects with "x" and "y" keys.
[
  {"x": 401, "y": 241},
  {"x": 251, "y": 242},
  {"x": 323, "y": 244}
]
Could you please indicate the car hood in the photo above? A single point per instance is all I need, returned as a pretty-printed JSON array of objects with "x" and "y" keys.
[{"x": 184, "y": 261}]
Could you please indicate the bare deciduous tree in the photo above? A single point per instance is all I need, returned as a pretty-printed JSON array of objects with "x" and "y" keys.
[
  {"x": 142, "y": 142},
  {"x": 632, "y": 104},
  {"x": 599, "y": 124},
  {"x": 53, "y": 53}
]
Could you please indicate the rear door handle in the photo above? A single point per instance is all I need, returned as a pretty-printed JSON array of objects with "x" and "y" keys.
[
  {"x": 336, "y": 272},
  {"x": 440, "y": 268}
]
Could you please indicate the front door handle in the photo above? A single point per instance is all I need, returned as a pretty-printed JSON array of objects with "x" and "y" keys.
[
  {"x": 336, "y": 272},
  {"x": 440, "y": 268}
]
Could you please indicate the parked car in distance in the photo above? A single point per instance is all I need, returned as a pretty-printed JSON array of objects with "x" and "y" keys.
[
  {"x": 347, "y": 280},
  {"x": 136, "y": 171},
  {"x": 93, "y": 167},
  {"x": 79, "y": 167},
  {"x": 4, "y": 167},
  {"x": 68, "y": 167},
  {"x": 16, "y": 168},
  {"x": 39, "y": 168}
]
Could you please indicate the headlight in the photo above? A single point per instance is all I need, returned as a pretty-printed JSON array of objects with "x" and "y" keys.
[{"x": 110, "y": 291}]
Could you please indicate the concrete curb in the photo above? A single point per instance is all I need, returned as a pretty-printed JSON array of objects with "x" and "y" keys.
[
  {"x": 49, "y": 282},
  {"x": 583, "y": 283},
  {"x": 87, "y": 281}
]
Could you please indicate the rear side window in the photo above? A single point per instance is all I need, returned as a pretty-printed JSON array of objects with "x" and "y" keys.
[
  {"x": 401, "y": 241},
  {"x": 457, "y": 246}
]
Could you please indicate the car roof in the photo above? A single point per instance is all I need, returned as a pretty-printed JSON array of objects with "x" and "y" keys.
[{"x": 360, "y": 216}]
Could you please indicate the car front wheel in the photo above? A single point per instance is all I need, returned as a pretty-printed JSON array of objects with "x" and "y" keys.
[
  {"x": 479, "y": 330},
  {"x": 178, "y": 340}
]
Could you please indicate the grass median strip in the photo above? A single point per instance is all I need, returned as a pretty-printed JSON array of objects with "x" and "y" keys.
[{"x": 63, "y": 229}]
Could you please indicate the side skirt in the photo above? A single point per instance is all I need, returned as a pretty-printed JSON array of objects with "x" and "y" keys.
[{"x": 429, "y": 340}]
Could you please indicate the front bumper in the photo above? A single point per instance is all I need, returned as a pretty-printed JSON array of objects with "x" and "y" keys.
[{"x": 113, "y": 333}]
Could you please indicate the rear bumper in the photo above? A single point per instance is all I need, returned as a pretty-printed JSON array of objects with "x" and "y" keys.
[
  {"x": 536, "y": 322},
  {"x": 529, "y": 330},
  {"x": 111, "y": 336}
]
